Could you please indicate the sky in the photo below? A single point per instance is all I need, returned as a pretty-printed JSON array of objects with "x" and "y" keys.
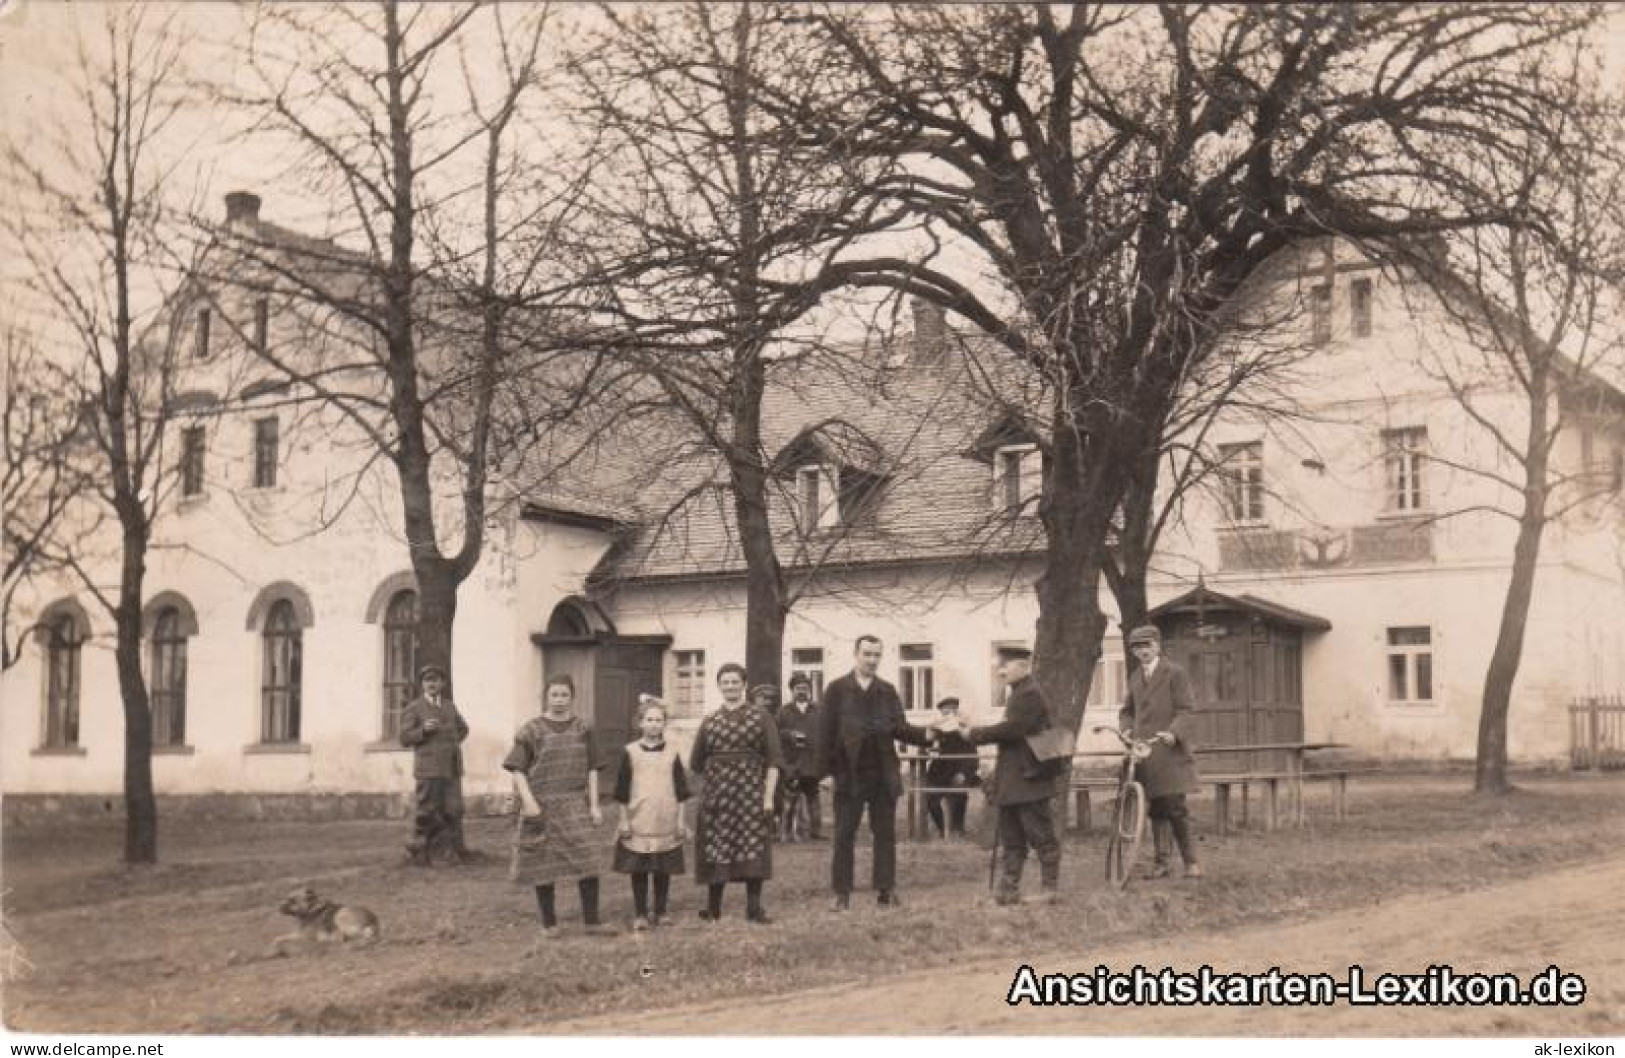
[{"x": 37, "y": 45}]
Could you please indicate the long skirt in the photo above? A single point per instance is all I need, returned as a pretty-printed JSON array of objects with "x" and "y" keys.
[{"x": 558, "y": 845}]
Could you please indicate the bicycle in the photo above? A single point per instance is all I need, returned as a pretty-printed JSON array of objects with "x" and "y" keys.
[{"x": 1128, "y": 818}]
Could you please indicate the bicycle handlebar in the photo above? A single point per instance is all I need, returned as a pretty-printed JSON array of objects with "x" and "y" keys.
[{"x": 1136, "y": 748}]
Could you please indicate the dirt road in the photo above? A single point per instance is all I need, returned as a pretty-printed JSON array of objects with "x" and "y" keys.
[{"x": 1574, "y": 913}]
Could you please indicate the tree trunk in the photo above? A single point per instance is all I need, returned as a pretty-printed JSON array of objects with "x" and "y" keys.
[
  {"x": 140, "y": 804},
  {"x": 765, "y": 612},
  {"x": 1490, "y": 774},
  {"x": 1070, "y": 621},
  {"x": 1491, "y": 771},
  {"x": 437, "y": 611}
]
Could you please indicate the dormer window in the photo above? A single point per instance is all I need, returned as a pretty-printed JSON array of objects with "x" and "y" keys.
[
  {"x": 1018, "y": 476},
  {"x": 817, "y": 501},
  {"x": 837, "y": 475},
  {"x": 1014, "y": 453}
]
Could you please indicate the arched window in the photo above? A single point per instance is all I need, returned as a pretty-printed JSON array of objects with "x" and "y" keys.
[
  {"x": 282, "y": 672},
  {"x": 400, "y": 658},
  {"x": 168, "y": 679},
  {"x": 62, "y": 682}
]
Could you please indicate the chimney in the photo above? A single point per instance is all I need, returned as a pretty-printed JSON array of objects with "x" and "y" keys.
[
  {"x": 930, "y": 330},
  {"x": 242, "y": 206}
]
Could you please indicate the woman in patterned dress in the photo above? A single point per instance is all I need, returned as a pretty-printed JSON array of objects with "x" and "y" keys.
[
  {"x": 556, "y": 779},
  {"x": 737, "y": 753}
]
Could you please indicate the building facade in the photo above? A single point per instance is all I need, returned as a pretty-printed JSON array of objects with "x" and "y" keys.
[{"x": 1338, "y": 579}]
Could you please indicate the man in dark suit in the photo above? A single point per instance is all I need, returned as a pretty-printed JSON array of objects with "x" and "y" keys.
[
  {"x": 1160, "y": 709},
  {"x": 1022, "y": 787},
  {"x": 862, "y": 722},
  {"x": 434, "y": 729},
  {"x": 798, "y": 737}
]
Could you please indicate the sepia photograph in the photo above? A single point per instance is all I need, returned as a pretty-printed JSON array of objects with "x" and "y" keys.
[{"x": 772, "y": 519}]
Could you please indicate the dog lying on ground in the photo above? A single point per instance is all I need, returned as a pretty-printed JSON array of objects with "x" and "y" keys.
[{"x": 322, "y": 921}]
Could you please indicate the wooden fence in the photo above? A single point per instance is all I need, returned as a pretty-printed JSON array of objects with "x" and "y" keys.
[{"x": 1597, "y": 732}]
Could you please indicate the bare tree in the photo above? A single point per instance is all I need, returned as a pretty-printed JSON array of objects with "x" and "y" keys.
[
  {"x": 439, "y": 327},
  {"x": 45, "y": 473},
  {"x": 718, "y": 234},
  {"x": 93, "y": 233},
  {"x": 1535, "y": 305},
  {"x": 1123, "y": 171}
]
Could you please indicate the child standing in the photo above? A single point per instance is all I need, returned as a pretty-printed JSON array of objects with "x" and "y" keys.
[
  {"x": 650, "y": 788},
  {"x": 556, "y": 780}
]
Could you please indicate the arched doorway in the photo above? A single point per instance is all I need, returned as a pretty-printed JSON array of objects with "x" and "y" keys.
[{"x": 609, "y": 670}]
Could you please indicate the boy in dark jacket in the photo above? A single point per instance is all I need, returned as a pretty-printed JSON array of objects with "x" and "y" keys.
[{"x": 952, "y": 767}]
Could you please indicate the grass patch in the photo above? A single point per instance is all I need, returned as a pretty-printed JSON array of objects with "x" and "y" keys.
[{"x": 461, "y": 953}]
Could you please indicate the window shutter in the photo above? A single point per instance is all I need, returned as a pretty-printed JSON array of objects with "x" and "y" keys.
[
  {"x": 1032, "y": 475},
  {"x": 829, "y": 499}
]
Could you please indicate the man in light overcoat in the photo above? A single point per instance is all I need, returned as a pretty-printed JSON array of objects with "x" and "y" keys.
[{"x": 1160, "y": 709}]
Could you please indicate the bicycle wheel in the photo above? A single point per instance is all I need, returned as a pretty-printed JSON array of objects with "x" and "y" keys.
[{"x": 1128, "y": 827}]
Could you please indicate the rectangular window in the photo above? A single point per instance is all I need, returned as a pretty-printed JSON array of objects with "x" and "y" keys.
[
  {"x": 688, "y": 684},
  {"x": 1360, "y": 308},
  {"x": 915, "y": 680},
  {"x": 265, "y": 453},
  {"x": 192, "y": 448},
  {"x": 1241, "y": 468},
  {"x": 1018, "y": 477},
  {"x": 809, "y": 662},
  {"x": 816, "y": 501},
  {"x": 200, "y": 339},
  {"x": 1320, "y": 313},
  {"x": 262, "y": 324},
  {"x": 1404, "y": 464},
  {"x": 1106, "y": 689},
  {"x": 1410, "y": 665}
]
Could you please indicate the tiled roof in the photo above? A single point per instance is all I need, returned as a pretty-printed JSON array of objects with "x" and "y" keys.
[{"x": 922, "y": 418}]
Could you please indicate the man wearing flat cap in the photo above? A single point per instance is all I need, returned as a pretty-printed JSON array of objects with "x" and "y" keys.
[
  {"x": 1160, "y": 709},
  {"x": 798, "y": 736},
  {"x": 434, "y": 730},
  {"x": 1022, "y": 786}
]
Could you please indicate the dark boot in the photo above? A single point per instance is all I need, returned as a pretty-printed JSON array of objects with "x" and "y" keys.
[
  {"x": 1049, "y": 867},
  {"x": 460, "y": 852},
  {"x": 1008, "y": 889},
  {"x": 1161, "y": 847},
  {"x": 420, "y": 849},
  {"x": 1181, "y": 827}
]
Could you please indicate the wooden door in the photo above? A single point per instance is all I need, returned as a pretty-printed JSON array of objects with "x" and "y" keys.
[
  {"x": 625, "y": 670},
  {"x": 577, "y": 661}
]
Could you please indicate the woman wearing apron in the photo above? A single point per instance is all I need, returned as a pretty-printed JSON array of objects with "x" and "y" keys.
[{"x": 556, "y": 780}]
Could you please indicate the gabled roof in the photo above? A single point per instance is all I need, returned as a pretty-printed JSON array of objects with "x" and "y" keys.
[
  {"x": 1202, "y": 599},
  {"x": 910, "y": 425}
]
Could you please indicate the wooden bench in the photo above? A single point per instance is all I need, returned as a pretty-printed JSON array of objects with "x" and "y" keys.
[{"x": 1222, "y": 785}]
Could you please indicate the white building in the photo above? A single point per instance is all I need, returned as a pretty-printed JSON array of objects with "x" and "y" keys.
[{"x": 1337, "y": 603}]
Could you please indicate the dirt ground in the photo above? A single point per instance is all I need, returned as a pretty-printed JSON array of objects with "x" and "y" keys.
[
  {"x": 1420, "y": 873},
  {"x": 1568, "y": 918}
]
